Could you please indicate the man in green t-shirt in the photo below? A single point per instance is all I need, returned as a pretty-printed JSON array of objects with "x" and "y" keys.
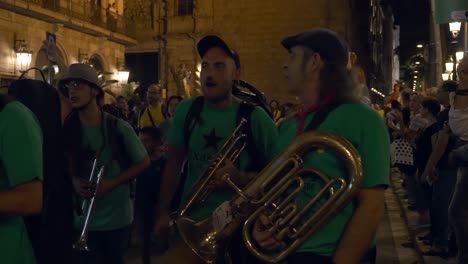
[
  {"x": 220, "y": 69},
  {"x": 89, "y": 136},
  {"x": 20, "y": 180},
  {"x": 316, "y": 73}
]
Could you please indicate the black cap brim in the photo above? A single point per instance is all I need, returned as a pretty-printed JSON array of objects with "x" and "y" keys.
[
  {"x": 212, "y": 41},
  {"x": 290, "y": 42}
]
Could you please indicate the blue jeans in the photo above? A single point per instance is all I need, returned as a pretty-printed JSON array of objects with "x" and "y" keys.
[
  {"x": 442, "y": 191},
  {"x": 106, "y": 247},
  {"x": 458, "y": 214}
]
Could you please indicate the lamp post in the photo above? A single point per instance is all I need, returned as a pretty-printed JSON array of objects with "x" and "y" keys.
[{"x": 455, "y": 29}]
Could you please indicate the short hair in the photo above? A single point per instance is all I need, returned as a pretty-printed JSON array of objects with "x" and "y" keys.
[
  {"x": 168, "y": 101},
  {"x": 432, "y": 105},
  {"x": 449, "y": 86},
  {"x": 120, "y": 98},
  {"x": 405, "y": 96},
  {"x": 395, "y": 104},
  {"x": 153, "y": 132}
]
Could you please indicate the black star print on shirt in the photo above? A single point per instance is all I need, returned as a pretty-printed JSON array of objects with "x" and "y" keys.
[{"x": 212, "y": 140}]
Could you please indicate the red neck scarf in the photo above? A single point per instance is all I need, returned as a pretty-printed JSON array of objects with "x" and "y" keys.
[{"x": 302, "y": 115}]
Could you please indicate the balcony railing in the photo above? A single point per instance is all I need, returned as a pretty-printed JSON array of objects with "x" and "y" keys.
[{"x": 87, "y": 12}]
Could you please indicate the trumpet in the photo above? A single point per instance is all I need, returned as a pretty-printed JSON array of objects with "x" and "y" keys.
[
  {"x": 273, "y": 193},
  {"x": 231, "y": 150},
  {"x": 88, "y": 207}
]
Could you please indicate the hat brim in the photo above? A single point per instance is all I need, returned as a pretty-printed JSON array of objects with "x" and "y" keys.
[
  {"x": 290, "y": 42},
  {"x": 209, "y": 42},
  {"x": 212, "y": 41}
]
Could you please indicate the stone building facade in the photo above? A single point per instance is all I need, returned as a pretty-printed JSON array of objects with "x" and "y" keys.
[
  {"x": 253, "y": 28},
  {"x": 85, "y": 32}
]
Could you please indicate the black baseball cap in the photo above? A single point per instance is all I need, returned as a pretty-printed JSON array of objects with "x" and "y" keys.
[
  {"x": 212, "y": 41},
  {"x": 323, "y": 41}
]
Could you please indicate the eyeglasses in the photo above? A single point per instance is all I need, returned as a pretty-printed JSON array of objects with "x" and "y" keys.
[{"x": 73, "y": 84}]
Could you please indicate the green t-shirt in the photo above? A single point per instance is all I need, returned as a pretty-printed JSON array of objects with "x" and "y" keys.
[
  {"x": 213, "y": 129},
  {"x": 363, "y": 127},
  {"x": 20, "y": 162},
  {"x": 114, "y": 210}
]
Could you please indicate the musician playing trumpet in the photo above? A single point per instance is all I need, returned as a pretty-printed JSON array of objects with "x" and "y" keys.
[
  {"x": 92, "y": 135},
  {"x": 316, "y": 73},
  {"x": 217, "y": 118}
]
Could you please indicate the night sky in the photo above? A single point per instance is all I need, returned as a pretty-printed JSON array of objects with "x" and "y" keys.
[{"x": 413, "y": 17}]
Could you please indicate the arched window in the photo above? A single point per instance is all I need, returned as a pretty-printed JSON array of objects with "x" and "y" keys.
[
  {"x": 42, "y": 62},
  {"x": 96, "y": 62}
]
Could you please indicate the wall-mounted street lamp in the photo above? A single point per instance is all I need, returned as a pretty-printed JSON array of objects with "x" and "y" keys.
[
  {"x": 455, "y": 28},
  {"x": 123, "y": 72},
  {"x": 23, "y": 55},
  {"x": 445, "y": 76},
  {"x": 83, "y": 57},
  {"x": 459, "y": 55}
]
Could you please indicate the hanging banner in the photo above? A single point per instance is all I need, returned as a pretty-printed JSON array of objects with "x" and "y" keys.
[{"x": 447, "y": 11}]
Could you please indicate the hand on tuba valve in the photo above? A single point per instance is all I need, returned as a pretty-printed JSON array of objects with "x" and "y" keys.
[{"x": 262, "y": 236}]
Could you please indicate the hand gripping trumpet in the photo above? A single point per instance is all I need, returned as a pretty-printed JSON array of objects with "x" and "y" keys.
[
  {"x": 231, "y": 150},
  {"x": 87, "y": 208},
  {"x": 273, "y": 194}
]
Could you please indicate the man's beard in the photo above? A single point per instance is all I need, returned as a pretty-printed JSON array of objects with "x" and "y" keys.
[{"x": 219, "y": 98}]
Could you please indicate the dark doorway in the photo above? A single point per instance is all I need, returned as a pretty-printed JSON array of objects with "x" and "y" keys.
[{"x": 144, "y": 68}]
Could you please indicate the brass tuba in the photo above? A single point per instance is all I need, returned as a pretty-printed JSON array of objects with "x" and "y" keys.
[{"x": 272, "y": 193}]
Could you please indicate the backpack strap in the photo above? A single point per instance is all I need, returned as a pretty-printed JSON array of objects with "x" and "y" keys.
[
  {"x": 4, "y": 100},
  {"x": 322, "y": 114},
  {"x": 192, "y": 118},
  {"x": 148, "y": 111},
  {"x": 245, "y": 111},
  {"x": 116, "y": 141}
]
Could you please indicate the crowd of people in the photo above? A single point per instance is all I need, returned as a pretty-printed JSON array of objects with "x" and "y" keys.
[
  {"x": 428, "y": 148},
  {"x": 154, "y": 152}
]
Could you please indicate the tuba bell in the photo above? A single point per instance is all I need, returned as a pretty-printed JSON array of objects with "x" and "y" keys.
[{"x": 272, "y": 194}]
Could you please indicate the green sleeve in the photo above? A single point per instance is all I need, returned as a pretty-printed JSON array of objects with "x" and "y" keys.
[
  {"x": 134, "y": 147},
  {"x": 21, "y": 144},
  {"x": 375, "y": 152},
  {"x": 265, "y": 134},
  {"x": 175, "y": 136}
]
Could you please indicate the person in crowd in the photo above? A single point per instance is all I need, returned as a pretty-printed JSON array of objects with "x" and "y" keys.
[
  {"x": 217, "y": 119},
  {"x": 395, "y": 95},
  {"x": 21, "y": 172},
  {"x": 275, "y": 110},
  {"x": 153, "y": 113},
  {"x": 95, "y": 136},
  {"x": 148, "y": 189},
  {"x": 458, "y": 124},
  {"x": 316, "y": 72},
  {"x": 170, "y": 109},
  {"x": 441, "y": 176},
  {"x": 122, "y": 104}
]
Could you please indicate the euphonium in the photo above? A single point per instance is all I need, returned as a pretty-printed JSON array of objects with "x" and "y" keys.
[
  {"x": 272, "y": 193},
  {"x": 87, "y": 208}
]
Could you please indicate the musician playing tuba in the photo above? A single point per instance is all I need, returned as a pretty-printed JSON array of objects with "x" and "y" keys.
[
  {"x": 90, "y": 131},
  {"x": 200, "y": 128},
  {"x": 316, "y": 72}
]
